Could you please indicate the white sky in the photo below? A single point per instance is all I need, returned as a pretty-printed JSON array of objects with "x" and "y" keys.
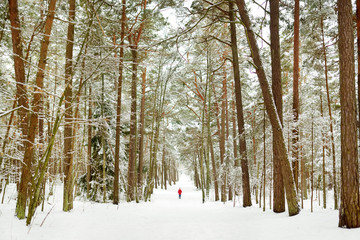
[{"x": 170, "y": 13}]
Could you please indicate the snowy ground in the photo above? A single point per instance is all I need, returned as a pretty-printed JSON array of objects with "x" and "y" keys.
[{"x": 167, "y": 218}]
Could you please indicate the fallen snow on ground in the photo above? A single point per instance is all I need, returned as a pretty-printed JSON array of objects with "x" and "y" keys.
[{"x": 168, "y": 218}]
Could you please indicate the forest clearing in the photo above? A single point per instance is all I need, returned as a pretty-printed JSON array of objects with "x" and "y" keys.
[{"x": 108, "y": 107}]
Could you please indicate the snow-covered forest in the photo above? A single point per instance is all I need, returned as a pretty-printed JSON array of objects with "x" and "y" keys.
[{"x": 111, "y": 106}]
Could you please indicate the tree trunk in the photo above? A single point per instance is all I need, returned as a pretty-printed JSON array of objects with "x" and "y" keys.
[
  {"x": 77, "y": 145},
  {"x": 196, "y": 174},
  {"x": 201, "y": 163},
  {"x": 235, "y": 148},
  {"x": 330, "y": 113},
  {"x": 264, "y": 164},
  {"x": 68, "y": 128},
  {"x": 6, "y": 140},
  {"x": 45, "y": 159},
  {"x": 88, "y": 168},
  {"x": 150, "y": 175},
  {"x": 103, "y": 138},
  {"x": 291, "y": 198},
  {"x": 349, "y": 213},
  {"x": 255, "y": 164},
  {"x": 155, "y": 125},
  {"x": 2, "y": 27},
  {"x": 207, "y": 112},
  {"x": 21, "y": 92},
  {"x": 296, "y": 108},
  {"x": 239, "y": 109},
  {"x": 118, "y": 106},
  {"x": 222, "y": 144},
  {"x": 202, "y": 147},
  {"x": 358, "y": 53},
  {"x": 323, "y": 157},
  {"x": 303, "y": 176},
  {"x": 165, "y": 165},
  {"x": 22, "y": 101},
  {"x": 207, "y": 164},
  {"x": 213, "y": 165},
  {"x": 132, "y": 141},
  {"x": 227, "y": 157},
  {"x": 37, "y": 100},
  {"x": 312, "y": 164},
  {"x": 141, "y": 132},
  {"x": 134, "y": 38},
  {"x": 279, "y": 194}
]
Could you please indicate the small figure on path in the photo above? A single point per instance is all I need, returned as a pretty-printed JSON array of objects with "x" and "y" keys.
[{"x": 179, "y": 192}]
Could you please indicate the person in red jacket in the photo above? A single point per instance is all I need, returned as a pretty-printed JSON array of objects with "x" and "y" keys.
[{"x": 179, "y": 192}]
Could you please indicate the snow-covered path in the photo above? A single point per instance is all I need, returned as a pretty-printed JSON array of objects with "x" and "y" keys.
[{"x": 168, "y": 218}]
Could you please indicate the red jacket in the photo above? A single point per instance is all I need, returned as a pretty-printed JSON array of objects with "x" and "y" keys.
[{"x": 179, "y": 191}]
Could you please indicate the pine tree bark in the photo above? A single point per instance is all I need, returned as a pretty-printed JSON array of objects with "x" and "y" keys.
[
  {"x": 303, "y": 176},
  {"x": 293, "y": 207},
  {"x": 239, "y": 109},
  {"x": 89, "y": 136},
  {"x": 19, "y": 66},
  {"x": 212, "y": 155},
  {"x": 38, "y": 95},
  {"x": 118, "y": 106},
  {"x": 235, "y": 148},
  {"x": 154, "y": 132},
  {"x": 22, "y": 101},
  {"x": 296, "y": 108},
  {"x": 330, "y": 112},
  {"x": 358, "y": 53},
  {"x": 255, "y": 164},
  {"x": 207, "y": 164},
  {"x": 45, "y": 159},
  {"x": 6, "y": 139},
  {"x": 134, "y": 38},
  {"x": 76, "y": 145},
  {"x": 213, "y": 166},
  {"x": 142, "y": 132},
  {"x": 323, "y": 156},
  {"x": 222, "y": 146},
  {"x": 264, "y": 163},
  {"x": 68, "y": 128},
  {"x": 2, "y": 27},
  {"x": 133, "y": 123},
  {"x": 103, "y": 138},
  {"x": 279, "y": 194},
  {"x": 202, "y": 147},
  {"x": 349, "y": 213},
  {"x": 219, "y": 133},
  {"x": 201, "y": 153},
  {"x": 227, "y": 159},
  {"x": 312, "y": 164},
  {"x": 207, "y": 107},
  {"x": 164, "y": 164},
  {"x": 155, "y": 126}
]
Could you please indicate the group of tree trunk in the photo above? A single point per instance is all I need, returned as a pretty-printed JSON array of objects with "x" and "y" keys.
[
  {"x": 216, "y": 155},
  {"x": 36, "y": 161},
  {"x": 291, "y": 178}
]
